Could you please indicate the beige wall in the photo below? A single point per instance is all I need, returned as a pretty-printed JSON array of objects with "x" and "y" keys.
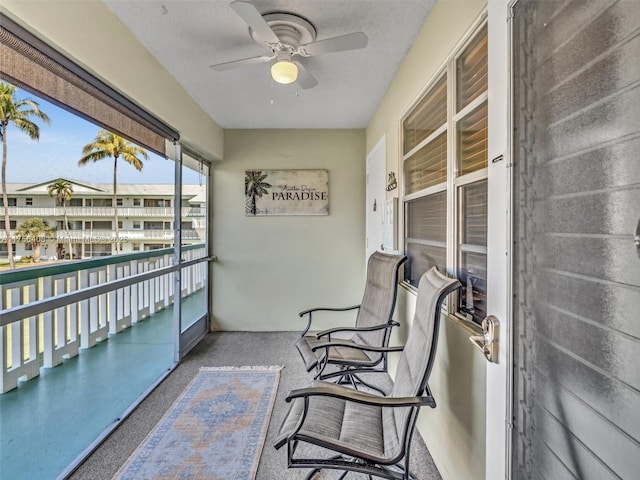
[
  {"x": 87, "y": 32},
  {"x": 271, "y": 268},
  {"x": 455, "y": 430}
]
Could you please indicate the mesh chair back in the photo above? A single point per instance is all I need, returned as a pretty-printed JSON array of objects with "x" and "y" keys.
[
  {"x": 419, "y": 352},
  {"x": 379, "y": 298}
]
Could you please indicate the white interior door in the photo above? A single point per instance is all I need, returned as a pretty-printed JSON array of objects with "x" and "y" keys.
[{"x": 376, "y": 195}]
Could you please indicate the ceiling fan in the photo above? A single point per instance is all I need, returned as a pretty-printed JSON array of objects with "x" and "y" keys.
[{"x": 287, "y": 35}]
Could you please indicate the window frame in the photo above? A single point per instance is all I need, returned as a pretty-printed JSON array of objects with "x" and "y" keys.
[{"x": 454, "y": 182}]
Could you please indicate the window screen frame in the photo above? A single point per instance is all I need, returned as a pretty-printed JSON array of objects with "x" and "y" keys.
[{"x": 454, "y": 181}]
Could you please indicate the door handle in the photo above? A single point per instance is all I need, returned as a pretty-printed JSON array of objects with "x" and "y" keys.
[{"x": 489, "y": 341}]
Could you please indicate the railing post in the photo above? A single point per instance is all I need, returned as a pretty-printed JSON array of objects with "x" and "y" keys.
[
  {"x": 95, "y": 327},
  {"x": 83, "y": 311},
  {"x": 134, "y": 305},
  {"x": 144, "y": 309},
  {"x": 158, "y": 290},
  {"x": 17, "y": 363},
  {"x": 60, "y": 333},
  {"x": 119, "y": 319},
  {"x": 124, "y": 295},
  {"x": 166, "y": 283},
  {"x": 170, "y": 282}
]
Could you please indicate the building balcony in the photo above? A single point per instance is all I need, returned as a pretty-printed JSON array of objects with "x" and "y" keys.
[
  {"x": 88, "y": 212},
  {"x": 108, "y": 236}
]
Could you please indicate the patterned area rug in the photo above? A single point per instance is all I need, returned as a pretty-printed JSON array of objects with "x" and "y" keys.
[{"x": 215, "y": 430}]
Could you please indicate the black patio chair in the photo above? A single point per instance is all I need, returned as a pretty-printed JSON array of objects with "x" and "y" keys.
[
  {"x": 372, "y": 328},
  {"x": 362, "y": 432}
]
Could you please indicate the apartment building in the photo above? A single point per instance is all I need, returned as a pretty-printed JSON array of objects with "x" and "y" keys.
[{"x": 145, "y": 218}]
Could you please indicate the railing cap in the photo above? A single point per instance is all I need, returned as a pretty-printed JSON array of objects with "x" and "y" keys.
[{"x": 30, "y": 273}]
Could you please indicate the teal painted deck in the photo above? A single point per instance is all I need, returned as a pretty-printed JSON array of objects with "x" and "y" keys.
[{"x": 48, "y": 421}]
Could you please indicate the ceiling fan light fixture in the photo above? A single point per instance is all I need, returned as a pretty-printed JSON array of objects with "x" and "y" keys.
[{"x": 284, "y": 71}]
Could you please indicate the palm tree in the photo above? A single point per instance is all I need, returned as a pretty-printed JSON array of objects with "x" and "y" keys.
[
  {"x": 110, "y": 145},
  {"x": 35, "y": 231},
  {"x": 16, "y": 112},
  {"x": 63, "y": 191},
  {"x": 254, "y": 187}
]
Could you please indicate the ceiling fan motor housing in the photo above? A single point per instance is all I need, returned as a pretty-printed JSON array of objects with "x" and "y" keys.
[{"x": 291, "y": 30}]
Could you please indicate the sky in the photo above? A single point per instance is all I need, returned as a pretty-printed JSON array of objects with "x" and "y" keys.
[{"x": 57, "y": 152}]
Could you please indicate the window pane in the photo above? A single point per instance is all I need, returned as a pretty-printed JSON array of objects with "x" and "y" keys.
[
  {"x": 473, "y": 214},
  {"x": 426, "y": 220},
  {"x": 473, "y": 276},
  {"x": 102, "y": 225},
  {"x": 427, "y": 167},
  {"x": 472, "y": 250},
  {"x": 472, "y": 141},
  {"x": 472, "y": 70},
  {"x": 421, "y": 259},
  {"x": 429, "y": 115}
]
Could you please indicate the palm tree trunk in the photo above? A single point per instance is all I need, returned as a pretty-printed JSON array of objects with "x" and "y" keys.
[
  {"x": 115, "y": 204},
  {"x": 36, "y": 252},
  {"x": 5, "y": 199},
  {"x": 66, "y": 227}
]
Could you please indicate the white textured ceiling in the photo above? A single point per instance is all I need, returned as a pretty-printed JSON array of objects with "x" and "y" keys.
[{"x": 186, "y": 36}]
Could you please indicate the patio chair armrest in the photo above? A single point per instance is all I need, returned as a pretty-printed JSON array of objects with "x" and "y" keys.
[
  {"x": 326, "y": 309},
  {"x": 327, "y": 389},
  {"x": 368, "y": 348},
  {"x": 330, "y": 331},
  {"x": 321, "y": 309}
]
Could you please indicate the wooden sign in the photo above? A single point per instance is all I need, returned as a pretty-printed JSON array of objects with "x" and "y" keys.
[{"x": 286, "y": 192}]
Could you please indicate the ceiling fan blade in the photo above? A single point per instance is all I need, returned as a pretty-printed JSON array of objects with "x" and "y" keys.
[
  {"x": 305, "y": 79},
  {"x": 351, "y": 41},
  {"x": 221, "y": 67},
  {"x": 250, "y": 14}
]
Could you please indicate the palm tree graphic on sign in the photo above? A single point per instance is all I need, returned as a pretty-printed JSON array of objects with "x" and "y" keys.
[{"x": 254, "y": 187}]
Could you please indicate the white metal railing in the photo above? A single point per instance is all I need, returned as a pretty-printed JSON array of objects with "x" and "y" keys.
[
  {"x": 141, "y": 212},
  {"x": 108, "y": 236},
  {"x": 49, "y": 313}
]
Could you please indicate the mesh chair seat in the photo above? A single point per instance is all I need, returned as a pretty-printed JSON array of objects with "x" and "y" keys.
[{"x": 350, "y": 428}]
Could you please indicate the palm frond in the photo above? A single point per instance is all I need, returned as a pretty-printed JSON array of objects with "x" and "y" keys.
[
  {"x": 27, "y": 126},
  {"x": 93, "y": 156}
]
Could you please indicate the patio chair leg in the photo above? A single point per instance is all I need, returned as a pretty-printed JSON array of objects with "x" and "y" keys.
[{"x": 346, "y": 379}]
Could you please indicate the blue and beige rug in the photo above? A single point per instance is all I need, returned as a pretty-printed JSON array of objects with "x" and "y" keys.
[{"x": 215, "y": 430}]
